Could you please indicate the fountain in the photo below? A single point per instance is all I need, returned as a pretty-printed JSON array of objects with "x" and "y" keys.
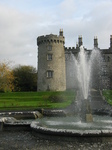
[
  {"x": 84, "y": 65},
  {"x": 83, "y": 123},
  {"x": 83, "y": 70}
]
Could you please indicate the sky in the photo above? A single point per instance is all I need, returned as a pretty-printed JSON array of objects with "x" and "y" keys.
[{"x": 22, "y": 21}]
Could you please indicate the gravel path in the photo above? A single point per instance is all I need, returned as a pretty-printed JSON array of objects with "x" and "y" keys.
[{"x": 27, "y": 140}]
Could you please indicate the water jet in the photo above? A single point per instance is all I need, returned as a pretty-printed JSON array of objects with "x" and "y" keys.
[{"x": 85, "y": 122}]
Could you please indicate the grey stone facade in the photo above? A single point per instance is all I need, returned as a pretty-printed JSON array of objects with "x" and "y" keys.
[
  {"x": 55, "y": 64},
  {"x": 51, "y": 63}
]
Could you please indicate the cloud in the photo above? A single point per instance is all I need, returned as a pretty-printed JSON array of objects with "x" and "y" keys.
[
  {"x": 99, "y": 22},
  {"x": 19, "y": 26},
  {"x": 67, "y": 8},
  {"x": 18, "y": 35},
  {"x": 91, "y": 18}
]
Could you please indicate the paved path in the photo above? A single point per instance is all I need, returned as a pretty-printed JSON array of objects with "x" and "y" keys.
[{"x": 25, "y": 140}]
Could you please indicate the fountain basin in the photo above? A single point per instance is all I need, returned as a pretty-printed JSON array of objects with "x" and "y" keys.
[
  {"x": 10, "y": 123},
  {"x": 68, "y": 126}
]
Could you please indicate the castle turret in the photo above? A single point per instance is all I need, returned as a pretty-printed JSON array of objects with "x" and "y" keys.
[
  {"x": 61, "y": 32},
  {"x": 95, "y": 42},
  {"x": 110, "y": 41},
  {"x": 80, "y": 41},
  {"x": 51, "y": 62}
]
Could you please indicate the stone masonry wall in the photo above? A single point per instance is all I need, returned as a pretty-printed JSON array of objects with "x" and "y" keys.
[{"x": 54, "y": 46}]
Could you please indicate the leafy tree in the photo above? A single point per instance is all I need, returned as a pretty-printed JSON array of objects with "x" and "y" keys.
[
  {"x": 6, "y": 78},
  {"x": 25, "y": 78}
]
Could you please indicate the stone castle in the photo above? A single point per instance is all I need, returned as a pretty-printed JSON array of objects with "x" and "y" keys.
[{"x": 55, "y": 64}]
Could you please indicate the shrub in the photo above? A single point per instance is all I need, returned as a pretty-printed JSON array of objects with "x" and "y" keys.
[{"x": 56, "y": 98}]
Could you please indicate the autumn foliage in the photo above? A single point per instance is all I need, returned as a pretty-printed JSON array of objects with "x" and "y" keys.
[
  {"x": 6, "y": 78},
  {"x": 21, "y": 78}
]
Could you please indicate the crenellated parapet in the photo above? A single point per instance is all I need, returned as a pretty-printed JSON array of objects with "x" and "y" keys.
[
  {"x": 71, "y": 50},
  {"x": 51, "y": 38}
]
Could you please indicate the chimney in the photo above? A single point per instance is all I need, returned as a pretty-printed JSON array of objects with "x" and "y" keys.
[
  {"x": 80, "y": 41},
  {"x": 61, "y": 32},
  {"x": 95, "y": 42}
]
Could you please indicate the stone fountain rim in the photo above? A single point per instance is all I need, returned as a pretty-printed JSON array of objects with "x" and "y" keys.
[{"x": 67, "y": 132}]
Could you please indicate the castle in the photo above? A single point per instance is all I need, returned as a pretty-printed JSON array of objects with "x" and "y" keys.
[{"x": 55, "y": 71}]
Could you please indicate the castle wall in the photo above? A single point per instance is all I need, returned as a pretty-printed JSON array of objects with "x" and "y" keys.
[
  {"x": 56, "y": 67},
  {"x": 71, "y": 75},
  {"x": 106, "y": 69},
  {"x": 51, "y": 63},
  {"x": 102, "y": 69}
]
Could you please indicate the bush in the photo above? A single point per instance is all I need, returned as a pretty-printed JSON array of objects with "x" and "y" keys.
[
  {"x": 56, "y": 98},
  {"x": 108, "y": 96}
]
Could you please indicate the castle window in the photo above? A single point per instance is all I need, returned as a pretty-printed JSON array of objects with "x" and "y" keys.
[
  {"x": 49, "y": 74},
  {"x": 108, "y": 58},
  {"x": 49, "y": 56},
  {"x": 49, "y": 47}
]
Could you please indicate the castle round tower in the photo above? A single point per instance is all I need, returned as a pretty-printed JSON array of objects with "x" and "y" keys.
[{"x": 51, "y": 62}]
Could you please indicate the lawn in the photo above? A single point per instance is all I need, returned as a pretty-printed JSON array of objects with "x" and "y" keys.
[
  {"x": 108, "y": 96},
  {"x": 35, "y": 100}
]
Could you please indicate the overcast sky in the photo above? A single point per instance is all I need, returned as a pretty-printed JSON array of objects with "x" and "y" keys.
[{"x": 22, "y": 21}]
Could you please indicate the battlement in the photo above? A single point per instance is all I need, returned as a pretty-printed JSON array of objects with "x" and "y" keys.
[
  {"x": 50, "y": 38},
  {"x": 71, "y": 49}
]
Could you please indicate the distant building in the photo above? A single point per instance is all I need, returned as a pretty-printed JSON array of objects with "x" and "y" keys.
[{"x": 55, "y": 65}]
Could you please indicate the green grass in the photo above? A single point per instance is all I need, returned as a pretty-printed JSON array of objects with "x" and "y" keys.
[
  {"x": 108, "y": 96},
  {"x": 35, "y": 100}
]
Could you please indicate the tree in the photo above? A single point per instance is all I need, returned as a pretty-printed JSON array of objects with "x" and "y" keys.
[
  {"x": 6, "y": 78},
  {"x": 25, "y": 78}
]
